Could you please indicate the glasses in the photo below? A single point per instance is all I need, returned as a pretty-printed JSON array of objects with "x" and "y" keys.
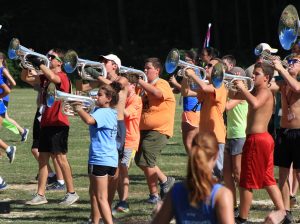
[
  {"x": 51, "y": 57},
  {"x": 293, "y": 61}
]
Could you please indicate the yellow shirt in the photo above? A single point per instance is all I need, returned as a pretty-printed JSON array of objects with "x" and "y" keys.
[
  {"x": 159, "y": 114},
  {"x": 211, "y": 116}
]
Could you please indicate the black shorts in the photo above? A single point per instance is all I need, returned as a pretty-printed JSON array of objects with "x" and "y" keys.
[
  {"x": 101, "y": 171},
  {"x": 54, "y": 139},
  {"x": 287, "y": 148},
  {"x": 36, "y": 130}
]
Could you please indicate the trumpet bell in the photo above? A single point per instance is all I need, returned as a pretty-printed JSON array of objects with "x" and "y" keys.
[
  {"x": 217, "y": 75},
  {"x": 50, "y": 98},
  {"x": 172, "y": 60},
  {"x": 14, "y": 45},
  {"x": 288, "y": 28},
  {"x": 70, "y": 61}
]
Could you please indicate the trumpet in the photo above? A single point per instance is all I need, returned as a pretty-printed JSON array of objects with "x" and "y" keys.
[
  {"x": 17, "y": 51},
  {"x": 173, "y": 61},
  {"x": 218, "y": 76},
  {"x": 88, "y": 104},
  {"x": 139, "y": 73},
  {"x": 84, "y": 67},
  {"x": 268, "y": 57}
]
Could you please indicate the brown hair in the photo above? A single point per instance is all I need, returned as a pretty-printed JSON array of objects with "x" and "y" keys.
[
  {"x": 199, "y": 174},
  {"x": 112, "y": 91},
  {"x": 267, "y": 69},
  {"x": 4, "y": 59},
  {"x": 131, "y": 77},
  {"x": 156, "y": 64}
]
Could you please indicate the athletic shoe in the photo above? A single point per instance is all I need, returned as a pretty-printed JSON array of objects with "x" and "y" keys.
[
  {"x": 153, "y": 199},
  {"x": 165, "y": 187},
  {"x": 11, "y": 154},
  {"x": 3, "y": 185},
  {"x": 120, "y": 208},
  {"x": 69, "y": 199},
  {"x": 25, "y": 135},
  {"x": 51, "y": 180},
  {"x": 236, "y": 212},
  {"x": 37, "y": 200},
  {"x": 56, "y": 187}
]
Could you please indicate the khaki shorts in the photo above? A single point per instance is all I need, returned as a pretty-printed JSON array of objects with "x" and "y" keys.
[{"x": 151, "y": 144}]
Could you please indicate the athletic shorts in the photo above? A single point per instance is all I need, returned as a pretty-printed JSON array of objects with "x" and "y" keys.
[
  {"x": 101, "y": 171},
  {"x": 128, "y": 157},
  {"x": 287, "y": 150},
  {"x": 121, "y": 134},
  {"x": 54, "y": 139},
  {"x": 151, "y": 145},
  {"x": 36, "y": 130},
  {"x": 257, "y": 168},
  {"x": 234, "y": 146},
  {"x": 191, "y": 117}
]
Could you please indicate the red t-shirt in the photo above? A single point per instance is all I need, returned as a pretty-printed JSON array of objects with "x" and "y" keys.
[{"x": 53, "y": 116}]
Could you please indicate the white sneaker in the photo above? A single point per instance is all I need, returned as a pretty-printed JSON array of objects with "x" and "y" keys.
[
  {"x": 69, "y": 199},
  {"x": 37, "y": 200}
]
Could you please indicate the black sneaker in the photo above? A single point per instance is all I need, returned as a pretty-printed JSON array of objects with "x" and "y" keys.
[
  {"x": 165, "y": 187},
  {"x": 288, "y": 218},
  {"x": 56, "y": 187},
  {"x": 51, "y": 180},
  {"x": 24, "y": 136},
  {"x": 239, "y": 221},
  {"x": 236, "y": 212}
]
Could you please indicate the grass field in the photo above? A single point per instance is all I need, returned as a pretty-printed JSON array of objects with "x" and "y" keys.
[{"x": 21, "y": 174}]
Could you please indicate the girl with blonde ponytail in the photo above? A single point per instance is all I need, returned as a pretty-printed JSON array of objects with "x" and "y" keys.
[{"x": 199, "y": 199}]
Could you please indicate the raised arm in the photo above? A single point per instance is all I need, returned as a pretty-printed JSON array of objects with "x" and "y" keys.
[
  {"x": 151, "y": 89},
  {"x": 30, "y": 77},
  {"x": 203, "y": 86},
  {"x": 10, "y": 79},
  {"x": 185, "y": 88},
  {"x": 231, "y": 103}
]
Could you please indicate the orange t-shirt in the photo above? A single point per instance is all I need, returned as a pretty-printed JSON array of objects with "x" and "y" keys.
[
  {"x": 133, "y": 107},
  {"x": 159, "y": 114},
  {"x": 211, "y": 116}
]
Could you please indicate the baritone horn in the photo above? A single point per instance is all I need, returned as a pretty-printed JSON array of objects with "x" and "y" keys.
[
  {"x": 218, "y": 77},
  {"x": 17, "y": 51},
  {"x": 268, "y": 57},
  {"x": 139, "y": 73},
  {"x": 288, "y": 27},
  {"x": 84, "y": 67},
  {"x": 88, "y": 104}
]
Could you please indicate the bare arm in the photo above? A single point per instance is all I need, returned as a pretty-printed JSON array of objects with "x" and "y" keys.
[
  {"x": 292, "y": 82},
  {"x": 50, "y": 75},
  {"x": 231, "y": 103},
  {"x": 10, "y": 79},
  {"x": 151, "y": 89},
  {"x": 29, "y": 78},
  {"x": 86, "y": 117},
  {"x": 207, "y": 88},
  {"x": 224, "y": 206},
  {"x": 165, "y": 213},
  {"x": 185, "y": 88}
]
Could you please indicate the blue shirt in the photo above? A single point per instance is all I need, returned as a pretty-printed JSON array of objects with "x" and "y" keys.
[
  {"x": 189, "y": 102},
  {"x": 103, "y": 147},
  {"x": 4, "y": 79},
  {"x": 185, "y": 213},
  {"x": 2, "y": 106}
]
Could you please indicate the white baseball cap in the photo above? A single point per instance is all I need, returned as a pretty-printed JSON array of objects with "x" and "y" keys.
[
  {"x": 265, "y": 46},
  {"x": 113, "y": 58}
]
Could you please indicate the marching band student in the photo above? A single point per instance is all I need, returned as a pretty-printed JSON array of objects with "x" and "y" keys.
[
  {"x": 198, "y": 199},
  {"x": 156, "y": 126},
  {"x": 190, "y": 117},
  {"x": 132, "y": 117},
  {"x": 257, "y": 158},
  {"x": 9, "y": 80},
  {"x": 213, "y": 102},
  {"x": 103, "y": 154},
  {"x": 54, "y": 130},
  {"x": 10, "y": 150},
  {"x": 288, "y": 138}
]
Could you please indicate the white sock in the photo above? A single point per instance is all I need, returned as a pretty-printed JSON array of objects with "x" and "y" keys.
[
  {"x": 61, "y": 182},
  {"x": 8, "y": 149},
  {"x": 1, "y": 180}
]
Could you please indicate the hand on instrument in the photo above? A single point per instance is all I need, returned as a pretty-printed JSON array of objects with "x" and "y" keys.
[
  {"x": 239, "y": 84},
  {"x": 35, "y": 61},
  {"x": 76, "y": 106},
  {"x": 173, "y": 80}
]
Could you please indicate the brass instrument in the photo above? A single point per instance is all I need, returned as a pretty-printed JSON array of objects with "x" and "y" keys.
[
  {"x": 268, "y": 57},
  {"x": 17, "y": 51},
  {"x": 88, "y": 104},
  {"x": 84, "y": 67},
  {"x": 218, "y": 76},
  {"x": 139, "y": 73},
  {"x": 288, "y": 27}
]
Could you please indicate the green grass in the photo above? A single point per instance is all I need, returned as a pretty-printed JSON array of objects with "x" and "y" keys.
[{"x": 20, "y": 175}]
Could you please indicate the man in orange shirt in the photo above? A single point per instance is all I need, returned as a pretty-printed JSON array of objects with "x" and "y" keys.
[
  {"x": 213, "y": 106},
  {"x": 156, "y": 127}
]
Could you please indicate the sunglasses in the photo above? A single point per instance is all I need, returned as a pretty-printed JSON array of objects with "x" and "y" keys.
[
  {"x": 293, "y": 61},
  {"x": 51, "y": 57}
]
